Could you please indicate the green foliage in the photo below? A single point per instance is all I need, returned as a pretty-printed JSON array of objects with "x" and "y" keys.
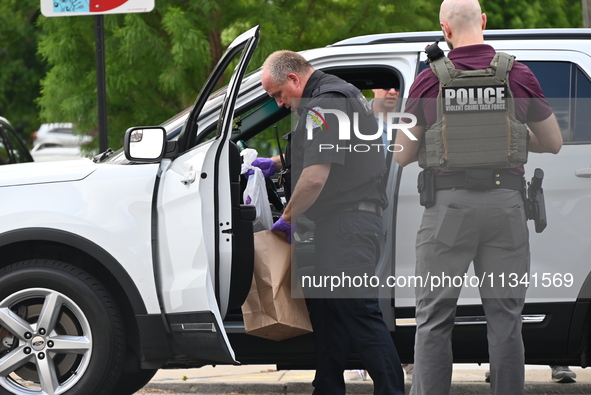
[
  {"x": 20, "y": 66},
  {"x": 511, "y": 14},
  {"x": 157, "y": 62}
]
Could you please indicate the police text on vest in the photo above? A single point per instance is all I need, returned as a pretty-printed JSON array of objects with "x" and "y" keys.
[{"x": 473, "y": 99}]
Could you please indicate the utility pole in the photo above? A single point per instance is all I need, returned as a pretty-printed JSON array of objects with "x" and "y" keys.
[
  {"x": 101, "y": 85},
  {"x": 586, "y": 13}
]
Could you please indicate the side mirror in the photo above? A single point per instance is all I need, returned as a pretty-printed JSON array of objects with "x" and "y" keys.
[{"x": 145, "y": 144}]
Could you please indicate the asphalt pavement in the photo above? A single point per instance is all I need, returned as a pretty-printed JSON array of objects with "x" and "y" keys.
[{"x": 266, "y": 379}]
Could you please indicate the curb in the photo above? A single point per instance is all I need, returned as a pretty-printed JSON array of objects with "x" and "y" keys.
[{"x": 355, "y": 388}]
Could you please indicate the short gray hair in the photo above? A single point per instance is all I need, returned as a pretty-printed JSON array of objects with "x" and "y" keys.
[{"x": 280, "y": 63}]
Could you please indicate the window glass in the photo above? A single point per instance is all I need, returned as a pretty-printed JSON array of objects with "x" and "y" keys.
[
  {"x": 554, "y": 77},
  {"x": 423, "y": 66},
  {"x": 568, "y": 90},
  {"x": 556, "y": 80}
]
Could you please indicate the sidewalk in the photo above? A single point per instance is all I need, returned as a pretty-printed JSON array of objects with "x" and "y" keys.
[{"x": 265, "y": 379}]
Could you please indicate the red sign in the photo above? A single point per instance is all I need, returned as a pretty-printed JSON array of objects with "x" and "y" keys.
[{"x": 105, "y": 5}]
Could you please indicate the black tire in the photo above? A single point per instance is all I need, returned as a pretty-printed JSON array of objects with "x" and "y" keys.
[
  {"x": 131, "y": 382},
  {"x": 58, "y": 317}
]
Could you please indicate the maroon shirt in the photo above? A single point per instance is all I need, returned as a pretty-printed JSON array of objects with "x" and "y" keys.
[{"x": 530, "y": 103}]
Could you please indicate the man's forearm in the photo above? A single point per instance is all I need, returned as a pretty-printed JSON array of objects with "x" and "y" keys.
[
  {"x": 410, "y": 148},
  {"x": 545, "y": 136},
  {"x": 307, "y": 190}
]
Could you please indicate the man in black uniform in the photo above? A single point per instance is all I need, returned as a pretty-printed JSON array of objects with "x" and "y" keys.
[{"x": 338, "y": 185}]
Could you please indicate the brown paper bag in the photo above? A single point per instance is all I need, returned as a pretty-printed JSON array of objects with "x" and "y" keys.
[{"x": 269, "y": 310}]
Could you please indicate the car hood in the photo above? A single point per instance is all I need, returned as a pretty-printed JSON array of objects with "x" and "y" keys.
[{"x": 39, "y": 173}]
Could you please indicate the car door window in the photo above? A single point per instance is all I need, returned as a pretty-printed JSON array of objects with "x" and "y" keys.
[{"x": 568, "y": 90}]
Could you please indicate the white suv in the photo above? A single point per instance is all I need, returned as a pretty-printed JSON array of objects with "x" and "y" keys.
[{"x": 131, "y": 265}]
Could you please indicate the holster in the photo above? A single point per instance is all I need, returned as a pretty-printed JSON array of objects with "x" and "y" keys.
[
  {"x": 535, "y": 203},
  {"x": 539, "y": 213}
]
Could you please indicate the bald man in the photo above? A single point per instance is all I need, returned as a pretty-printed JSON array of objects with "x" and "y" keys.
[{"x": 472, "y": 214}]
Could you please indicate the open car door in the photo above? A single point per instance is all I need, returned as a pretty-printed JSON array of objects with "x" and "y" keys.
[{"x": 196, "y": 218}]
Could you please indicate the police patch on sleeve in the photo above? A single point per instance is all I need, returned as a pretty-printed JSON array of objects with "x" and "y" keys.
[
  {"x": 315, "y": 119},
  {"x": 474, "y": 99}
]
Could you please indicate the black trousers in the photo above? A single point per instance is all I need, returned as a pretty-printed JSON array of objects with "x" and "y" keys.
[{"x": 350, "y": 317}]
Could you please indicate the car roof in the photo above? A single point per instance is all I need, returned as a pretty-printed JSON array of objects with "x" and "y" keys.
[{"x": 501, "y": 34}]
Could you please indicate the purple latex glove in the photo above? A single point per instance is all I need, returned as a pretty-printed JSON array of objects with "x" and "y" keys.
[
  {"x": 265, "y": 164},
  {"x": 282, "y": 226}
]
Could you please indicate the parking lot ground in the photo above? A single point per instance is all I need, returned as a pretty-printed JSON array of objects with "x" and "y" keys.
[{"x": 265, "y": 379}]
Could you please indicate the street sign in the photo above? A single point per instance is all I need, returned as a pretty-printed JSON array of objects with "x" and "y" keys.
[{"x": 94, "y": 7}]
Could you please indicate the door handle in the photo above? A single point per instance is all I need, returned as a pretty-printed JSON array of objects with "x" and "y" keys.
[
  {"x": 585, "y": 172},
  {"x": 189, "y": 177}
]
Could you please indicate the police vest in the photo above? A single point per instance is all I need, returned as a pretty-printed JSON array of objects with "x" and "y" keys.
[{"x": 476, "y": 125}]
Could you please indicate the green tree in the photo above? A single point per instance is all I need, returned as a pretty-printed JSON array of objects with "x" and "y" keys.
[
  {"x": 21, "y": 68},
  {"x": 511, "y": 14}
]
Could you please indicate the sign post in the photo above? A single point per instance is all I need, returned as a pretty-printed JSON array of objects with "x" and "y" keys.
[
  {"x": 101, "y": 82},
  {"x": 53, "y": 8}
]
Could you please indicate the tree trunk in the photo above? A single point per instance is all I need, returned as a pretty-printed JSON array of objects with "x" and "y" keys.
[{"x": 586, "y": 13}]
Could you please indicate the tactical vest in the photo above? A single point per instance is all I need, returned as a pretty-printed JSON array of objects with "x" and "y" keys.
[{"x": 476, "y": 125}]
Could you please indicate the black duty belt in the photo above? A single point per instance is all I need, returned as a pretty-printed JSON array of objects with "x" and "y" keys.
[{"x": 496, "y": 179}]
